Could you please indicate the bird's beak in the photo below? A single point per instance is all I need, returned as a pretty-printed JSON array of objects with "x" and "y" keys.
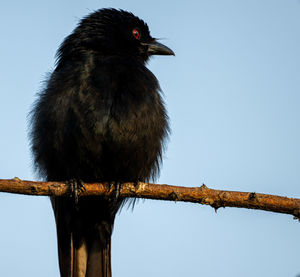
[{"x": 156, "y": 48}]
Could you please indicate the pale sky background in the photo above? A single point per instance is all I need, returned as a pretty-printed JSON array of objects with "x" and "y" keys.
[{"x": 233, "y": 96}]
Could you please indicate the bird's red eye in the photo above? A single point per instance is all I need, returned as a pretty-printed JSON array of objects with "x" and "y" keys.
[{"x": 136, "y": 33}]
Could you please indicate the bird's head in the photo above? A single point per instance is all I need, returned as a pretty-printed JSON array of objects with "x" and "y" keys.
[{"x": 113, "y": 32}]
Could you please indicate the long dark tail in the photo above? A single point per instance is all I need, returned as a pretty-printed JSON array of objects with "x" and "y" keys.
[{"x": 84, "y": 235}]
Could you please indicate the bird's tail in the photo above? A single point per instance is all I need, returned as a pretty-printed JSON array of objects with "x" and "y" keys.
[{"x": 84, "y": 236}]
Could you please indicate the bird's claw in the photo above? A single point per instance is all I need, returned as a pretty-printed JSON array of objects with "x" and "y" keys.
[
  {"x": 117, "y": 186},
  {"x": 76, "y": 187},
  {"x": 136, "y": 183}
]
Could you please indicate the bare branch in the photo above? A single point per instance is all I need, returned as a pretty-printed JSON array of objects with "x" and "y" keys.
[{"x": 201, "y": 195}]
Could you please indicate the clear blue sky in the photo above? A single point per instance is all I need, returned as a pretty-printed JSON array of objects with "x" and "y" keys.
[{"x": 233, "y": 96}]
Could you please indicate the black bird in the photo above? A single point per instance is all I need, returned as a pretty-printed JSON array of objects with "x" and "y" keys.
[{"x": 100, "y": 117}]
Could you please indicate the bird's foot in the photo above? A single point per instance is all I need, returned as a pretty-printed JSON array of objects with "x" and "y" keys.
[
  {"x": 117, "y": 186},
  {"x": 76, "y": 187},
  {"x": 136, "y": 183}
]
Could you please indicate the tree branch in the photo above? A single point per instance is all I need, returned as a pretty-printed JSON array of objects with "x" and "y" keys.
[{"x": 202, "y": 195}]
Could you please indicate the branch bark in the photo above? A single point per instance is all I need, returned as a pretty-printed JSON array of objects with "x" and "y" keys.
[{"x": 202, "y": 195}]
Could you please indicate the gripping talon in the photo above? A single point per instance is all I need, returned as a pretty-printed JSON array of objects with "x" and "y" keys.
[
  {"x": 117, "y": 186},
  {"x": 76, "y": 187}
]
